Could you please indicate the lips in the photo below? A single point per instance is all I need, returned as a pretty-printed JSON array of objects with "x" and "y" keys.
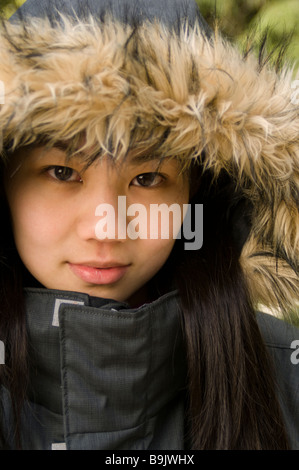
[{"x": 99, "y": 274}]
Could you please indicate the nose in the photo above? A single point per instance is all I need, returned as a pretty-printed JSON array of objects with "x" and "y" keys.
[
  {"x": 101, "y": 213},
  {"x": 112, "y": 221}
]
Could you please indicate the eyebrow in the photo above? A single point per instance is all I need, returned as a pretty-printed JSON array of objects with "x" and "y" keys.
[
  {"x": 149, "y": 154},
  {"x": 69, "y": 151},
  {"x": 61, "y": 145},
  {"x": 146, "y": 157},
  {"x": 64, "y": 146}
]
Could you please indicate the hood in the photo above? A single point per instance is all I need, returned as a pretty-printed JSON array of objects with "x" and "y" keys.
[
  {"x": 145, "y": 80},
  {"x": 170, "y": 12}
]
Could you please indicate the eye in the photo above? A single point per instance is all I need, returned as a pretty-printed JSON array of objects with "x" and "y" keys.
[
  {"x": 148, "y": 179},
  {"x": 64, "y": 173}
]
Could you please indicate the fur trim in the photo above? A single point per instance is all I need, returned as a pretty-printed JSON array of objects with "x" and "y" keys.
[{"x": 185, "y": 95}]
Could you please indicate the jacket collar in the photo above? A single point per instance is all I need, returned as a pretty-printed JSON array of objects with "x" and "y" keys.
[{"x": 111, "y": 371}]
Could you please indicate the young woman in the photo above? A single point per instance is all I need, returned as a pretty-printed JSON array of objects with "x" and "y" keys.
[{"x": 116, "y": 338}]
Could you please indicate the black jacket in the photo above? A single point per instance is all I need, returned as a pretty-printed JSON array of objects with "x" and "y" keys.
[{"x": 105, "y": 376}]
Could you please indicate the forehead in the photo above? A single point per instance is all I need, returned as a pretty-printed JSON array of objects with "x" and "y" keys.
[
  {"x": 132, "y": 157},
  {"x": 68, "y": 152}
]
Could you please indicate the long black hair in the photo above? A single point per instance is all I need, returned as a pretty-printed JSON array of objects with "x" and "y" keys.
[
  {"x": 13, "y": 330},
  {"x": 232, "y": 390}
]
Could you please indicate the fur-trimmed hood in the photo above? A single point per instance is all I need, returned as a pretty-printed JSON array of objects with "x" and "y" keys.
[{"x": 182, "y": 93}]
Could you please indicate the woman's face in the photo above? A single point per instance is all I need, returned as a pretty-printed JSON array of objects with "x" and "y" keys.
[{"x": 62, "y": 212}]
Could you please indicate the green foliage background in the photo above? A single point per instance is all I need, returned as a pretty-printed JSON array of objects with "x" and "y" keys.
[
  {"x": 4, "y": 3},
  {"x": 238, "y": 19}
]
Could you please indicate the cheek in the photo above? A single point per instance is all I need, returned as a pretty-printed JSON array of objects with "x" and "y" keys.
[
  {"x": 160, "y": 218},
  {"x": 154, "y": 254},
  {"x": 33, "y": 221}
]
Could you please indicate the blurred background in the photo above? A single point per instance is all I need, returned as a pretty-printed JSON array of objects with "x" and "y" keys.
[{"x": 239, "y": 19}]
